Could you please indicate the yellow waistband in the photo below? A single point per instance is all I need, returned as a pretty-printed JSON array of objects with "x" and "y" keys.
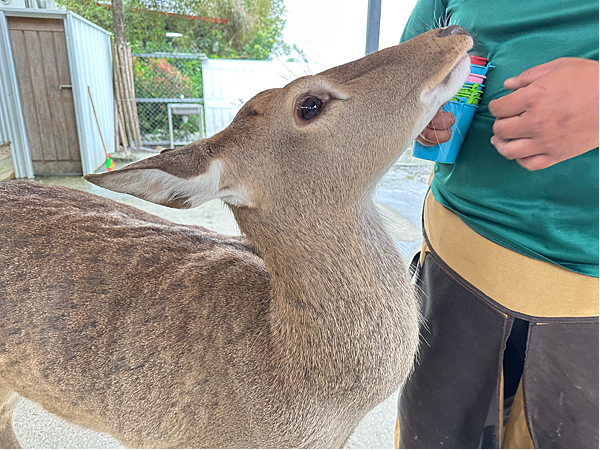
[{"x": 518, "y": 282}]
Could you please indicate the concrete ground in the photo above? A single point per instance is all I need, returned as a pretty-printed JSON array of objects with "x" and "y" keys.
[{"x": 401, "y": 193}]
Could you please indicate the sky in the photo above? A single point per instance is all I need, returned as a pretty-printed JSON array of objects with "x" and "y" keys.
[{"x": 332, "y": 32}]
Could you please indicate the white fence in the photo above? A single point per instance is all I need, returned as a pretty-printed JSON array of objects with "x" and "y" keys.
[{"x": 229, "y": 83}]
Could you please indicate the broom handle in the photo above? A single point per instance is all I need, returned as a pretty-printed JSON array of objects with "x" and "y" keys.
[{"x": 97, "y": 123}]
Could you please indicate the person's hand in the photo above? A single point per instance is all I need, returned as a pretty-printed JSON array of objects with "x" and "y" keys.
[
  {"x": 551, "y": 116},
  {"x": 438, "y": 130}
]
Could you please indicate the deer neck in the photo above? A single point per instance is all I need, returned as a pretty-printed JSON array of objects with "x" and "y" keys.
[
  {"x": 340, "y": 259},
  {"x": 336, "y": 281},
  {"x": 300, "y": 250}
]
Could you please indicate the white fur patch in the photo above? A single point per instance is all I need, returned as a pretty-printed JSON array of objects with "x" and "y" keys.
[
  {"x": 205, "y": 187},
  {"x": 235, "y": 197},
  {"x": 161, "y": 187}
]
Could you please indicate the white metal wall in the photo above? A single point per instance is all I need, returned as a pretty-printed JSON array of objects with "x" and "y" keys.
[
  {"x": 12, "y": 126},
  {"x": 229, "y": 83},
  {"x": 90, "y": 64}
]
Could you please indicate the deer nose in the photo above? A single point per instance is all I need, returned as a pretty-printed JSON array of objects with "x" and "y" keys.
[{"x": 451, "y": 30}]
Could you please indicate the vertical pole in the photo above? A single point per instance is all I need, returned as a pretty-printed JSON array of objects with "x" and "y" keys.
[
  {"x": 118, "y": 22},
  {"x": 117, "y": 130},
  {"x": 124, "y": 79},
  {"x": 201, "y": 121},
  {"x": 373, "y": 19},
  {"x": 170, "y": 125}
]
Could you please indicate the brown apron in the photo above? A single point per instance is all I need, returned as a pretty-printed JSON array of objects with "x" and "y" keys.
[{"x": 483, "y": 303}]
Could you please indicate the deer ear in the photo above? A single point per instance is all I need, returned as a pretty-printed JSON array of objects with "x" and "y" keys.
[{"x": 182, "y": 178}]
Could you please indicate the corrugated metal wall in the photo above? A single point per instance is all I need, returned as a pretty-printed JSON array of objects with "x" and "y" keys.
[
  {"x": 91, "y": 65},
  {"x": 12, "y": 127},
  {"x": 229, "y": 83}
]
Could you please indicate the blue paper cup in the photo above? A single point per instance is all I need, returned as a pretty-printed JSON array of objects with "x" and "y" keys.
[{"x": 448, "y": 151}]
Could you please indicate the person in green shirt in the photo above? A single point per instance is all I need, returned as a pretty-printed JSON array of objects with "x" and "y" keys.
[{"x": 509, "y": 267}]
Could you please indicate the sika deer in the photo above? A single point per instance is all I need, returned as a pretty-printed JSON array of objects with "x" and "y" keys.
[{"x": 173, "y": 336}]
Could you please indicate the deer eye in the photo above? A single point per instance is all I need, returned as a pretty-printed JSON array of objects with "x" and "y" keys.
[{"x": 309, "y": 107}]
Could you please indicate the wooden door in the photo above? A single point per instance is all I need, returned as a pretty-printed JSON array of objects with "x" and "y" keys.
[{"x": 42, "y": 67}]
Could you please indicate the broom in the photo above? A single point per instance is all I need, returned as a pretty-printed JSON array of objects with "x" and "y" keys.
[{"x": 110, "y": 164}]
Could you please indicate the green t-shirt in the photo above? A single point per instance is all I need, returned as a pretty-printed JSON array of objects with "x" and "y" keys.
[{"x": 550, "y": 214}]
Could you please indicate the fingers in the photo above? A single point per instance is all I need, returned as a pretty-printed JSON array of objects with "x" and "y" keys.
[
  {"x": 516, "y": 127},
  {"x": 521, "y": 99},
  {"x": 512, "y": 149},
  {"x": 521, "y": 151},
  {"x": 536, "y": 162},
  {"x": 535, "y": 127},
  {"x": 510, "y": 105},
  {"x": 438, "y": 130},
  {"x": 441, "y": 121},
  {"x": 524, "y": 152},
  {"x": 529, "y": 76},
  {"x": 431, "y": 137}
]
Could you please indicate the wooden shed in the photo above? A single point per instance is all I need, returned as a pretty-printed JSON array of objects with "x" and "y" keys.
[{"x": 48, "y": 59}]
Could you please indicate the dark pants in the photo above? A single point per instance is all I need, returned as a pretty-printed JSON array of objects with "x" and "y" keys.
[{"x": 454, "y": 398}]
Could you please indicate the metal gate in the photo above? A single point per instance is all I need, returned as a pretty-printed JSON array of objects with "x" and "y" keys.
[
  {"x": 219, "y": 86},
  {"x": 163, "y": 79}
]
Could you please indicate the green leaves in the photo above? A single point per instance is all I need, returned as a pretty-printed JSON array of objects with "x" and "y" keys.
[{"x": 249, "y": 29}]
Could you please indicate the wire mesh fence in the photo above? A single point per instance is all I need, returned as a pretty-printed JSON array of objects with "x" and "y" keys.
[{"x": 162, "y": 79}]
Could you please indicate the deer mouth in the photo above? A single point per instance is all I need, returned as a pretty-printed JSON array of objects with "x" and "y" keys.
[
  {"x": 458, "y": 71},
  {"x": 452, "y": 81}
]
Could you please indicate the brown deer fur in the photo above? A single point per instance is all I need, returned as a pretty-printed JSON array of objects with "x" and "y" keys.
[{"x": 166, "y": 335}]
